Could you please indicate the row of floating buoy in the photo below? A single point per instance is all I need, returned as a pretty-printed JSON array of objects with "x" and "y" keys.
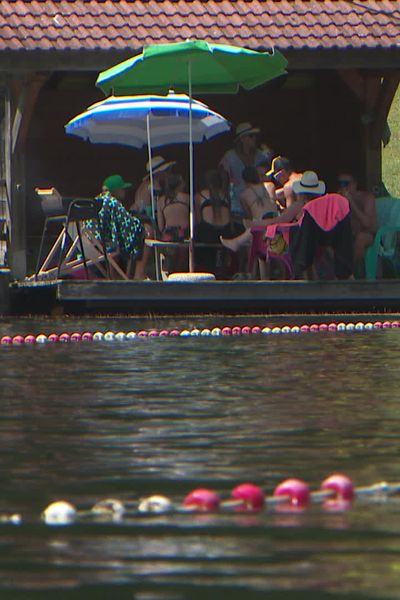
[
  {"x": 110, "y": 336},
  {"x": 336, "y": 493}
]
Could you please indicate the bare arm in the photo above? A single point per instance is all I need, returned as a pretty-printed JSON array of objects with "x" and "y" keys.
[
  {"x": 160, "y": 214},
  {"x": 287, "y": 216},
  {"x": 365, "y": 211}
]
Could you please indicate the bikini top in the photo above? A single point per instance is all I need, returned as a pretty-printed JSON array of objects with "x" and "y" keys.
[
  {"x": 264, "y": 198},
  {"x": 210, "y": 201},
  {"x": 171, "y": 203}
]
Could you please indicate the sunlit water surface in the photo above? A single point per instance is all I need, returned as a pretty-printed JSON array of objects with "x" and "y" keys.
[{"x": 88, "y": 421}]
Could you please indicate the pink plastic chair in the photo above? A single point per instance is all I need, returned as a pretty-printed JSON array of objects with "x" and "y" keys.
[{"x": 261, "y": 251}]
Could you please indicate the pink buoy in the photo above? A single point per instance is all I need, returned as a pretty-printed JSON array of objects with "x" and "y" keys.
[
  {"x": 64, "y": 337},
  {"x": 304, "y": 328},
  {"x": 174, "y": 332},
  {"x": 6, "y": 340},
  {"x": 236, "y": 330},
  {"x": 163, "y": 333},
  {"x": 251, "y": 495},
  {"x": 30, "y": 339},
  {"x": 18, "y": 339},
  {"x": 153, "y": 333},
  {"x": 378, "y": 325},
  {"x": 202, "y": 499},
  {"x": 226, "y": 331},
  {"x": 256, "y": 329},
  {"x": 386, "y": 324},
  {"x": 323, "y": 327},
  {"x": 332, "y": 327},
  {"x": 314, "y": 327},
  {"x": 395, "y": 324},
  {"x": 53, "y": 337},
  {"x": 246, "y": 330},
  {"x": 142, "y": 333},
  {"x": 75, "y": 337},
  {"x": 342, "y": 485},
  {"x": 296, "y": 490},
  {"x": 87, "y": 336}
]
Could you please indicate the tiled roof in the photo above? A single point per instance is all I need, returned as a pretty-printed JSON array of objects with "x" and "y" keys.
[{"x": 128, "y": 25}]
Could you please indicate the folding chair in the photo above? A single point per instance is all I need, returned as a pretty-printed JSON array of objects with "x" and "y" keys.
[{"x": 77, "y": 248}]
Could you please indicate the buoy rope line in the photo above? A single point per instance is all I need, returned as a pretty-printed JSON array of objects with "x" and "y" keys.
[
  {"x": 110, "y": 336},
  {"x": 336, "y": 494}
]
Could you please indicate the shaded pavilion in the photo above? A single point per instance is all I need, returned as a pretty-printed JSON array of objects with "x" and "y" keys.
[{"x": 329, "y": 114}]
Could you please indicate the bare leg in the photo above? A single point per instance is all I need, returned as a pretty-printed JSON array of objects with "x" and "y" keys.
[
  {"x": 244, "y": 239},
  {"x": 141, "y": 264}
]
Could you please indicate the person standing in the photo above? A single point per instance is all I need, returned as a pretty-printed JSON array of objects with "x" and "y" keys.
[
  {"x": 280, "y": 180},
  {"x": 245, "y": 153}
]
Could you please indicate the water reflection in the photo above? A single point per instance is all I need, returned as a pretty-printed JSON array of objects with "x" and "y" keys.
[{"x": 90, "y": 421}]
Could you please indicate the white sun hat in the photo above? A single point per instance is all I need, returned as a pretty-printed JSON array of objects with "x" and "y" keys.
[{"x": 309, "y": 184}]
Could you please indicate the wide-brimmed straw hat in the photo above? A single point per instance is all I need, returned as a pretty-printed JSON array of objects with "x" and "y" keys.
[
  {"x": 309, "y": 184},
  {"x": 245, "y": 129},
  {"x": 158, "y": 164}
]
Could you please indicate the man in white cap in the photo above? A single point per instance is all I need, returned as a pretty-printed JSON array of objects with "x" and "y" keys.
[
  {"x": 159, "y": 168},
  {"x": 244, "y": 154}
]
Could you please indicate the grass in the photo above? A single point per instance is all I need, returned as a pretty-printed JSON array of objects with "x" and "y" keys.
[{"x": 391, "y": 153}]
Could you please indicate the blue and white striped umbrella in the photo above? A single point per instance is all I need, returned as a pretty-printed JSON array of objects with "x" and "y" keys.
[
  {"x": 151, "y": 121},
  {"x": 137, "y": 120}
]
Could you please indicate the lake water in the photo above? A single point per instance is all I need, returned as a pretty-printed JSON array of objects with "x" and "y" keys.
[{"x": 88, "y": 421}]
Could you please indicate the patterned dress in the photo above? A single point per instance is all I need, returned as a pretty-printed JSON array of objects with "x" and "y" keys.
[{"x": 117, "y": 227}]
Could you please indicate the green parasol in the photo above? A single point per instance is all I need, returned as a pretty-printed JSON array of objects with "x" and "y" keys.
[
  {"x": 208, "y": 68},
  {"x": 192, "y": 66}
]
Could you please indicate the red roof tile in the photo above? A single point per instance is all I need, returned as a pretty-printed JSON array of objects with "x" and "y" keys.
[{"x": 129, "y": 25}]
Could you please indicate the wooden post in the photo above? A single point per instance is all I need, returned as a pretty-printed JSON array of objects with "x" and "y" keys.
[
  {"x": 20, "y": 100},
  {"x": 376, "y": 92}
]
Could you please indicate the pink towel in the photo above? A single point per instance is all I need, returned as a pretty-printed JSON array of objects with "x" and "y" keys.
[{"x": 327, "y": 211}]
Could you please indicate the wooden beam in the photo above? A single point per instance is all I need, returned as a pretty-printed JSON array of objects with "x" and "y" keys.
[
  {"x": 27, "y": 93},
  {"x": 354, "y": 80}
]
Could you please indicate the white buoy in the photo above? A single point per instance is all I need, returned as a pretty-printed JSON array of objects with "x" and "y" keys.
[
  {"x": 156, "y": 504},
  {"x": 110, "y": 507},
  {"x": 59, "y": 513}
]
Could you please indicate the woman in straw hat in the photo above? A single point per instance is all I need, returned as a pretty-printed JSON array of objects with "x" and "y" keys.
[
  {"x": 159, "y": 168},
  {"x": 244, "y": 154}
]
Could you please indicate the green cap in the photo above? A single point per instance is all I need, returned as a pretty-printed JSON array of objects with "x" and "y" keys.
[{"x": 115, "y": 182}]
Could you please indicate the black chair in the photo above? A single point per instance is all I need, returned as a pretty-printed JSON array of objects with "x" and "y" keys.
[
  {"x": 81, "y": 210},
  {"x": 68, "y": 212}
]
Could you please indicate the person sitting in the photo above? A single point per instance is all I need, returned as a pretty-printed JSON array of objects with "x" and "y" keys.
[
  {"x": 289, "y": 215},
  {"x": 159, "y": 167},
  {"x": 213, "y": 218},
  {"x": 116, "y": 227},
  {"x": 364, "y": 222},
  {"x": 280, "y": 180},
  {"x": 244, "y": 154},
  {"x": 173, "y": 210},
  {"x": 255, "y": 199},
  {"x": 324, "y": 221}
]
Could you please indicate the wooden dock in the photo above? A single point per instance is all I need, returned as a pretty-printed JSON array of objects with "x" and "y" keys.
[{"x": 207, "y": 297}]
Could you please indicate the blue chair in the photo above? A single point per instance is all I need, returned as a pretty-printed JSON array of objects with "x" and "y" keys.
[{"x": 385, "y": 242}]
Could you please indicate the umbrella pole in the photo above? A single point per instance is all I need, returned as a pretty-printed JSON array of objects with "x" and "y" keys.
[
  {"x": 191, "y": 186},
  {"x": 153, "y": 203}
]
